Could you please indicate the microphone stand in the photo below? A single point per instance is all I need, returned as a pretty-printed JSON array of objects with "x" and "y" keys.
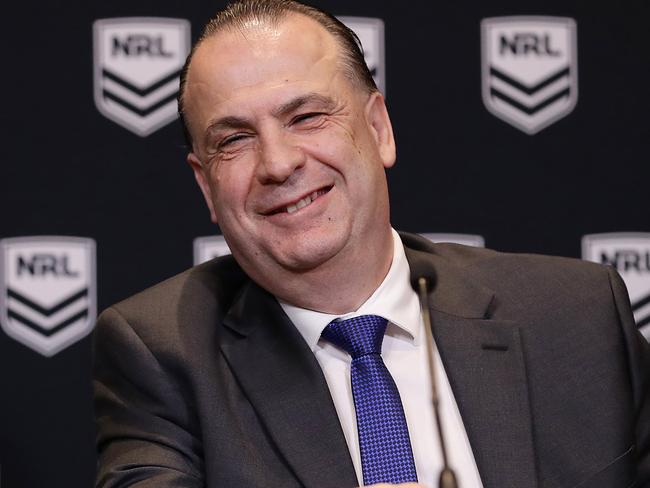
[{"x": 447, "y": 476}]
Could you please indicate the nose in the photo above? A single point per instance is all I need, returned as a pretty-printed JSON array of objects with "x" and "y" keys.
[{"x": 280, "y": 156}]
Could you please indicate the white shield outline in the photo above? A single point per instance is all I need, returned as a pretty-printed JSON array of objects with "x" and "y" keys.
[
  {"x": 161, "y": 116},
  {"x": 377, "y": 26},
  {"x": 639, "y": 297},
  {"x": 50, "y": 345},
  {"x": 509, "y": 114},
  {"x": 209, "y": 247},
  {"x": 474, "y": 240}
]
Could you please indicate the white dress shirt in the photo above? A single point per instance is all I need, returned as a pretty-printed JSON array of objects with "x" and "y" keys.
[{"x": 404, "y": 352}]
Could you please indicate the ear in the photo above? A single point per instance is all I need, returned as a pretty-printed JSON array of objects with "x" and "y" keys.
[
  {"x": 202, "y": 179},
  {"x": 377, "y": 117}
]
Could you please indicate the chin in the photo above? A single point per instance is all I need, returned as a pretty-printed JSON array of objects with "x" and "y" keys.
[{"x": 306, "y": 256}]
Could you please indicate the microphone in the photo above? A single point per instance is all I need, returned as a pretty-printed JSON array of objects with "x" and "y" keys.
[{"x": 423, "y": 280}]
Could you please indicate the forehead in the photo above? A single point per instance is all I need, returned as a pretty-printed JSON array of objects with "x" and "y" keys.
[{"x": 260, "y": 56}]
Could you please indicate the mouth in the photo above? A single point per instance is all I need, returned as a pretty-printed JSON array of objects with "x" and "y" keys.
[{"x": 301, "y": 203}]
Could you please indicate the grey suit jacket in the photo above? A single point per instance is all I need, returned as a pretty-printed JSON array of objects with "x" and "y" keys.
[{"x": 202, "y": 380}]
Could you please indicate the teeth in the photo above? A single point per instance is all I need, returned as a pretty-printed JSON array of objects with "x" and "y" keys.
[{"x": 302, "y": 203}]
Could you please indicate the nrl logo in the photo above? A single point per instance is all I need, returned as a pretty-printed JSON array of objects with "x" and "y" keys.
[
  {"x": 137, "y": 64},
  {"x": 370, "y": 31},
  {"x": 208, "y": 247},
  {"x": 47, "y": 291},
  {"x": 629, "y": 253},
  {"x": 529, "y": 69}
]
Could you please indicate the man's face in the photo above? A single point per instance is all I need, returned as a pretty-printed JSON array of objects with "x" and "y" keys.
[{"x": 289, "y": 153}]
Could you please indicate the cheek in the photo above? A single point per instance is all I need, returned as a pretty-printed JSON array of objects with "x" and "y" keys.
[
  {"x": 334, "y": 148},
  {"x": 230, "y": 186}
]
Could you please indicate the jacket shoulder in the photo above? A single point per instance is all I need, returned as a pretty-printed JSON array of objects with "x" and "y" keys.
[
  {"x": 489, "y": 261},
  {"x": 549, "y": 287},
  {"x": 523, "y": 281},
  {"x": 182, "y": 305}
]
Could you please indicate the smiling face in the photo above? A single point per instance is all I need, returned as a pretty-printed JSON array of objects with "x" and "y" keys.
[{"x": 289, "y": 152}]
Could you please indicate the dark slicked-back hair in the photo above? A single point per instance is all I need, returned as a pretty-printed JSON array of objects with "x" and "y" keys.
[{"x": 238, "y": 14}]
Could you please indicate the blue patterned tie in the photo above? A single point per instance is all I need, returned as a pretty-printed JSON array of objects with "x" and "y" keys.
[{"x": 386, "y": 455}]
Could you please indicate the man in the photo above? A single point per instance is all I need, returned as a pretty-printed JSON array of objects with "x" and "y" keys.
[{"x": 235, "y": 373}]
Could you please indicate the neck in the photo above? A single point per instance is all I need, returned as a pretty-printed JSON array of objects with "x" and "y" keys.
[{"x": 344, "y": 283}]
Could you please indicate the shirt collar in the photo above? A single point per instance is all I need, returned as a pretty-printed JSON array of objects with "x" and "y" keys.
[{"x": 394, "y": 300}]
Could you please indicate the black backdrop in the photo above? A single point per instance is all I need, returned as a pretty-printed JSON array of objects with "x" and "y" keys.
[{"x": 67, "y": 170}]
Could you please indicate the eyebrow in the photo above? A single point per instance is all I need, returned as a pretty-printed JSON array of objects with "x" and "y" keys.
[
  {"x": 232, "y": 121},
  {"x": 300, "y": 101},
  {"x": 228, "y": 122}
]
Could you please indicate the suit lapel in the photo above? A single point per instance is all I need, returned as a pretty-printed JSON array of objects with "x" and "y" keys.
[
  {"x": 485, "y": 365},
  {"x": 484, "y": 361},
  {"x": 284, "y": 383}
]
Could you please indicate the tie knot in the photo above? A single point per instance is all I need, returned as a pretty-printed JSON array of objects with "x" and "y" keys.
[{"x": 358, "y": 336}]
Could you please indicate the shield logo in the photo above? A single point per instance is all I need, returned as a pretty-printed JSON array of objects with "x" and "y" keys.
[
  {"x": 208, "y": 247},
  {"x": 370, "y": 31},
  {"x": 47, "y": 291},
  {"x": 465, "y": 239},
  {"x": 137, "y": 64},
  {"x": 629, "y": 253},
  {"x": 529, "y": 69}
]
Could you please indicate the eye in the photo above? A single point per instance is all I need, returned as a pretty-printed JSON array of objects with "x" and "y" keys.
[
  {"x": 232, "y": 140},
  {"x": 307, "y": 117}
]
